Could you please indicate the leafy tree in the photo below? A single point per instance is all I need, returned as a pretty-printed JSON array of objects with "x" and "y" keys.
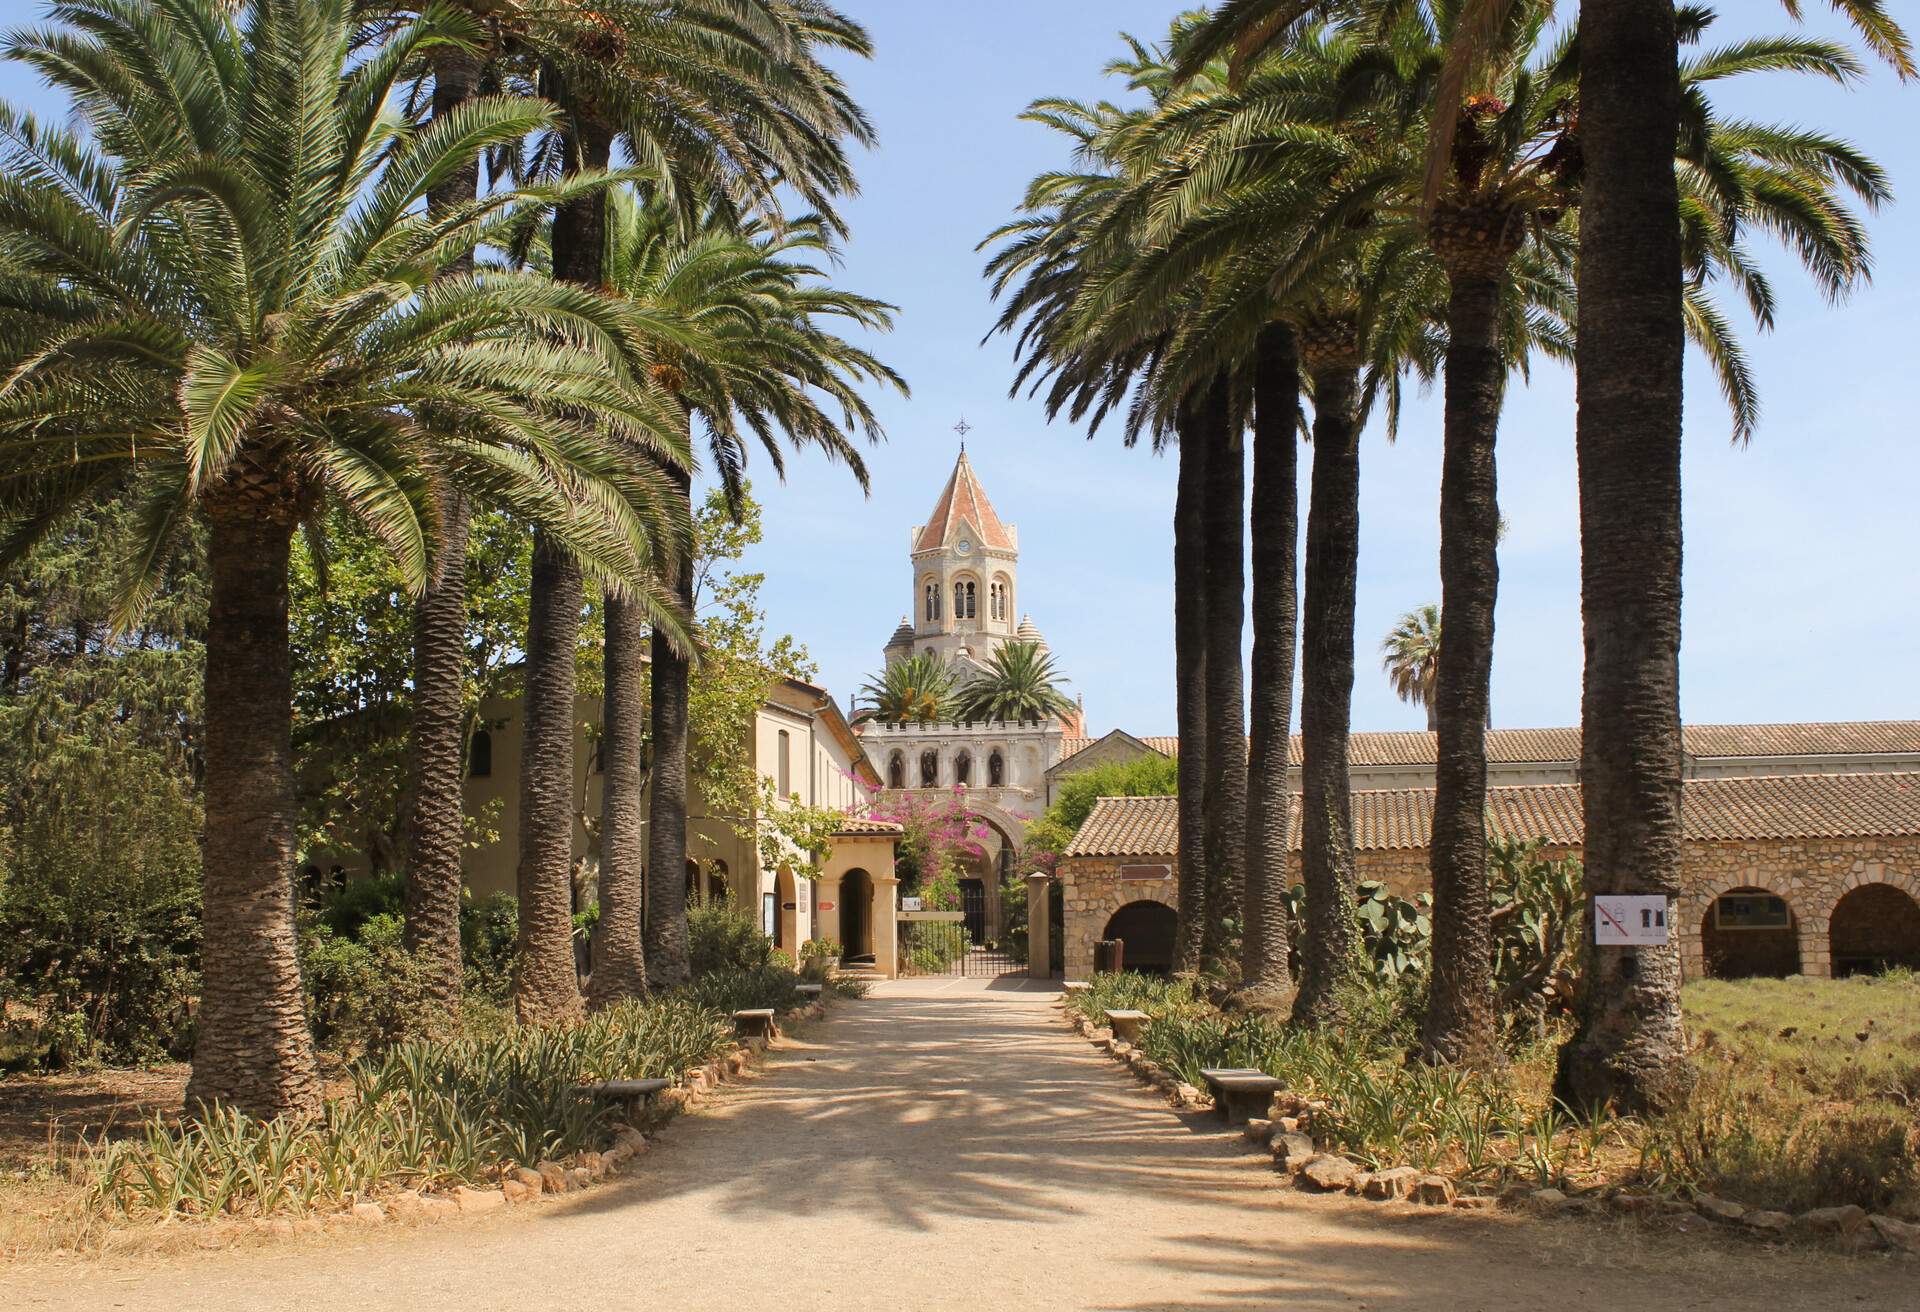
[
  {"x": 1020, "y": 683},
  {"x": 917, "y": 690},
  {"x": 1410, "y": 654},
  {"x": 1074, "y": 796},
  {"x": 222, "y": 302},
  {"x": 99, "y": 811}
]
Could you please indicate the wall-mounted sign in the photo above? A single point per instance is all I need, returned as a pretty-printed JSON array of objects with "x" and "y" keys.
[
  {"x": 1751, "y": 911},
  {"x": 826, "y": 906},
  {"x": 790, "y": 906},
  {"x": 909, "y": 904},
  {"x": 1629, "y": 920},
  {"x": 1146, "y": 872}
]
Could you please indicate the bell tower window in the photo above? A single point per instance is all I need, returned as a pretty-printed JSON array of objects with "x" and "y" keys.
[{"x": 933, "y": 601}]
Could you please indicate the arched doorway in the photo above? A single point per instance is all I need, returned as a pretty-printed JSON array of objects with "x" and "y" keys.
[
  {"x": 1750, "y": 934},
  {"x": 1873, "y": 928},
  {"x": 1147, "y": 928},
  {"x": 856, "y": 914},
  {"x": 787, "y": 918}
]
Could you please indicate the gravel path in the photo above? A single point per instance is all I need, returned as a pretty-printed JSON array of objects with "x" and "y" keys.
[{"x": 950, "y": 1144}]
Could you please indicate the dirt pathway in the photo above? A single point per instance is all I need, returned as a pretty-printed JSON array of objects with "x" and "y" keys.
[{"x": 950, "y": 1145}]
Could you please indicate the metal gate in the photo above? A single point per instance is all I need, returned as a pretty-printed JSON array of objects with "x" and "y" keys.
[{"x": 946, "y": 947}]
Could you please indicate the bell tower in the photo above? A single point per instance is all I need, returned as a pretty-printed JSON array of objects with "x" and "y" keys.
[{"x": 965, "y": 569}]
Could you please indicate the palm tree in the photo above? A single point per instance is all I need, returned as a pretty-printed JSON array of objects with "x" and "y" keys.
[
  {"x": 917, "y": 690},
  {"x": 746, "y": 319},
  {"x": 1410, "y": 654},
  {"x": 1630, "y": 1046},
  {"x": 225, "y": 304},
  {"x": 1019, "y": 684}
]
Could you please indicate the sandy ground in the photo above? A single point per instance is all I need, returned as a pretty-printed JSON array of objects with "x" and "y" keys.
[{"x": 950, "y": 1144}]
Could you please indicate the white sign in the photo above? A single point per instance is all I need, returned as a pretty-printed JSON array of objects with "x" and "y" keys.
[
  {"x": 1629, "y": 920},
  {"x": 909, "y": 904}
]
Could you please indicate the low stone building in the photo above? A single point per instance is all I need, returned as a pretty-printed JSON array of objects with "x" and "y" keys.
[{"x": 1815, "y": 874}]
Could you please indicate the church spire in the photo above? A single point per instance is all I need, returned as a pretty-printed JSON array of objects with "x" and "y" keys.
[{"x": 963, "y": 502}]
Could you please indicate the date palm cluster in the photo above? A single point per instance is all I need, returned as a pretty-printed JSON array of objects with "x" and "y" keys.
[
  {"x": 1318, "y": 201},
  {"x": 287, "y": 257}
]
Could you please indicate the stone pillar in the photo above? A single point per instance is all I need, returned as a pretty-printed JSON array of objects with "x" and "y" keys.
[
  {"x": 886, "y": 925},
  {"x": 1039, "y": 927}
]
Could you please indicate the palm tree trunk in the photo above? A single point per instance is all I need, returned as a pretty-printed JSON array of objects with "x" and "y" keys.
[
  {"x": 1275, "y": 521},
  {"x": 1224, "y": 534},
  {"x": 1460, "y": 1006},
  {"x": 619, "y": 966},
  {"x": 435, "y": 827},
  {"x": 548, "y": 986},
  {"x": 1630, "y": 1047},
  {"x": 666, "y": 927},
  {"x": 251, "y": 1046},
  {"x": 1326, "y": 695},
  {"x": 1190, "y": 688}
]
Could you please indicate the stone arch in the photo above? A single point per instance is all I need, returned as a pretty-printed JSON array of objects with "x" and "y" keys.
[
  {"x": 1875, "y": 925},
  {"x": 929, "y": 769},
  {"x": 996, "y": 769},
  {"x": 897, "y": 769},
  {"x": 1695, "y": 911},
  {"x": 962, "y": 768},
  {"x": 1003, "y": 597},
  {"x": 1147, "y": 925},
  {"x": 1751, "y": 933},
  {"x": 856, "y": 913}
]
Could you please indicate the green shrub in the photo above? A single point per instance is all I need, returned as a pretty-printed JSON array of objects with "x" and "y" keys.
[
  {"x": 365, "y": 993},
  {"x": 489, "y": 938},
  {"x": 100, "y": 908},
  {"x": 721, "y": 936},
  {"x": 344, "y": 909},
  {"x": 731, "y": 990}
]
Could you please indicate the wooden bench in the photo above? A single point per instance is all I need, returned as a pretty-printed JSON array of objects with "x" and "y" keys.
[
  {"x": 754, "y": 1023},
  {"x": 1241, "y": 1094},
  {"x": 1126, "y": 1025},
  {"x": 631, "y": 1096}
]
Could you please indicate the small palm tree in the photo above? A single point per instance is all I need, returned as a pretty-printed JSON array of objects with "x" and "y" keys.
[
  {"x": 224, "y": 303},
  {"x": 917, "y": 690},
  {"x": 1410, "y": 655},
  {"x": 1020, "y": 683}
]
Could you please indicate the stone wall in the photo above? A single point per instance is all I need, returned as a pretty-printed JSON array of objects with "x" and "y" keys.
[
  {"x": 1813, "y": 876},
  {"x": 1093, "y": 888}
]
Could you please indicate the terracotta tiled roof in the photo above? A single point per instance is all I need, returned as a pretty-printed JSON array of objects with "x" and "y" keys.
[
  {"x": 1513, "y": 746},
  {"x": 1128, "y": 826},
  {"x": 963, "y": 502},
  {"x": 1712, "y": 810},
  {"x": 1858, "y": 738},
  {"x": 855, "y": 826}
]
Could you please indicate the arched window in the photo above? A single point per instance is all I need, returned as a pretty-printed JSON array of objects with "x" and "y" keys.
[
  {"x": 933, "y": 601},
  {"x": 996, "y": 770},
  {"x": 784, "y": 765},
  {"x": 480, "y": 758},
  {"x": 897, "y": 771},
  {"x": 970, "y": 610},
  {"x": 963, "y": 768},
  {"x": 929, "y": 769},
  {"x": 959, "y": 601}
]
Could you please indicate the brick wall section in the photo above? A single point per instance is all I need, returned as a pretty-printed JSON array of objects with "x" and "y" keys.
[{"x": 1813, "y": 875}]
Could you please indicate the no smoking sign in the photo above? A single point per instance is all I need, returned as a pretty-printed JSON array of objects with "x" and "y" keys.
[{"x": 1621, "y": 920}]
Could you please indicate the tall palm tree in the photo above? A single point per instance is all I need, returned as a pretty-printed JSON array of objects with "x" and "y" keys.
[
  {"x": 749, "y": 351},
  {"x": 225, "y": 304},
  {"x": 1410, "y": 654},
  {"x": 917, "y": 690},
  {"x": 1630, "y": 1046},
  {"x": 1019, "y": 684}
]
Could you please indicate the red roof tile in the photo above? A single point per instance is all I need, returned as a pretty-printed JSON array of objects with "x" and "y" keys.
[{"x": 963, "y": 502}]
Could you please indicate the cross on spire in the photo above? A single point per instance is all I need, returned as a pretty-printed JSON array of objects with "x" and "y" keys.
[{"x": 963, "y": 428}]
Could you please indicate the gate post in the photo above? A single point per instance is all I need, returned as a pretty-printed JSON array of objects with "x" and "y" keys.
[
  {"x": 886, "y": 925},
  {"x": 1039, "y": 927}
]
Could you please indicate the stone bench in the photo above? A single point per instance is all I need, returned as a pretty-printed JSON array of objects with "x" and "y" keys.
[
  {"x": 1073, "y": 988},
  {"x": 1127, "y": 1024},
  {"x": 810, "y": 992},
  {"x": 1241, "y": 1094},
  {"x": 631, "y": 1096},
  {"x": 754, "y": 1023}
]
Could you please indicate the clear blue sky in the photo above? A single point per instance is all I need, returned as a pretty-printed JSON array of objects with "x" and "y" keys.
[{"x": 1801, "y": 550}]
